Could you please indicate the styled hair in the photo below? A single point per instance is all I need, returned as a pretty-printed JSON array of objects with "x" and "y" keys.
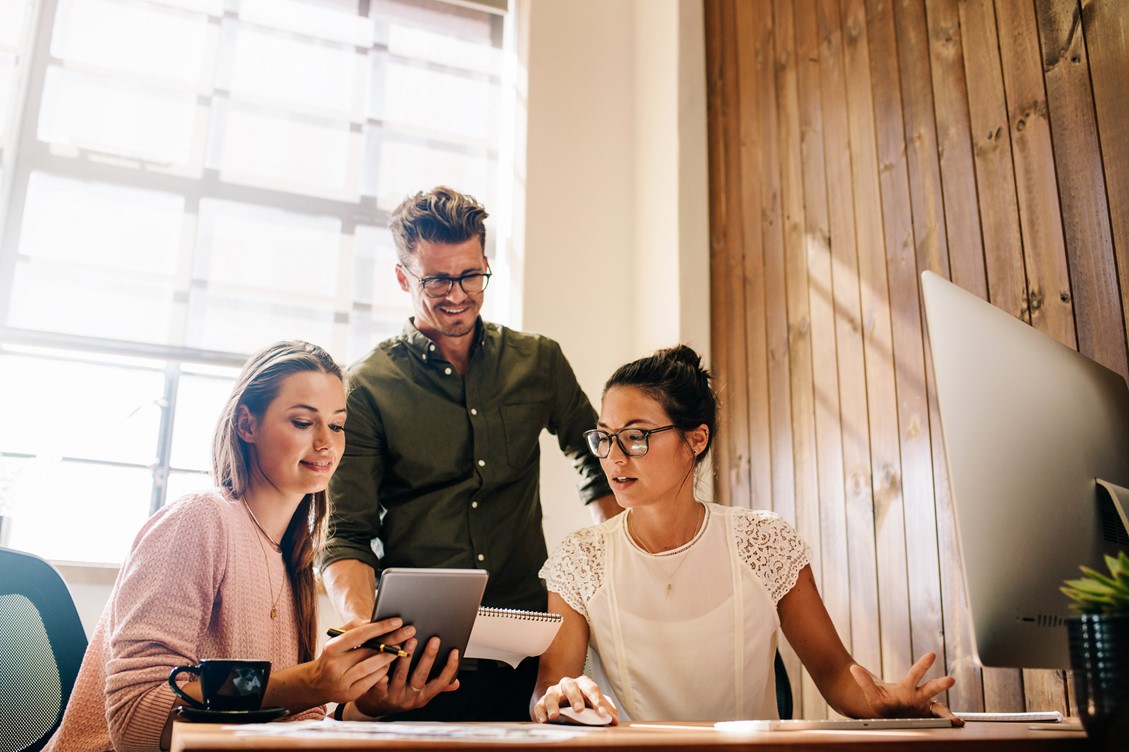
[
  {"x": 674, "y": 378},
  {"x": 442, "y": 215},
  {"x": 257, "y": 386}
]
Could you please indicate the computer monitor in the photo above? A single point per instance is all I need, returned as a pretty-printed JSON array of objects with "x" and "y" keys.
[{"x": 1037, "y": 438}]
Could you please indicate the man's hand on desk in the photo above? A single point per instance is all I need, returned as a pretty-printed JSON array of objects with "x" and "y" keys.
[{"x": 399, "y": 692}]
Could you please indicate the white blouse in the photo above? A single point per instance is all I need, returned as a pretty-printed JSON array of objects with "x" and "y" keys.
[{"x": 688, "y": 634}]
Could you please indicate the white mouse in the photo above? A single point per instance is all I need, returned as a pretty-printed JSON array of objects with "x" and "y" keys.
[{"x": 586, "y": 717}]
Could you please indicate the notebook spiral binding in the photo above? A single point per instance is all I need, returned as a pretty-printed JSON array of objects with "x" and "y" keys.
[{"x": 516, "y": 613}]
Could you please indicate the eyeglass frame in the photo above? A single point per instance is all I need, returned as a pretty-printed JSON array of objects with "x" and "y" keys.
[
  {"x": 646, "y": 439},
  {"x": 486, "y": 275}
]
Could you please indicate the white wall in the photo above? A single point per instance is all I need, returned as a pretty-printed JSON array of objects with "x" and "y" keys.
[{"x": 616, "y": 235}]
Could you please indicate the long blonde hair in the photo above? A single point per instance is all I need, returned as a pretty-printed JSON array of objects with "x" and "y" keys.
[{"x": 257, "y": 386}]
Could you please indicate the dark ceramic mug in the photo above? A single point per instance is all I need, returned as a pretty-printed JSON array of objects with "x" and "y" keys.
[{"x": 226, "y": 683}]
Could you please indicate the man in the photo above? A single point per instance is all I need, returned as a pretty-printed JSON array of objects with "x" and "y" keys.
[{"x": 441, "y": 466}]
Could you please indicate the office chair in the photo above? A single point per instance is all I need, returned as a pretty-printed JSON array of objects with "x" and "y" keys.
[
  {"x": 783, "y": 689},
  {"x": 41, "y": 647}
]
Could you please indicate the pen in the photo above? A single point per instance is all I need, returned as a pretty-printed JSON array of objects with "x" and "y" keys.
[{"x": 372, "y": 644}]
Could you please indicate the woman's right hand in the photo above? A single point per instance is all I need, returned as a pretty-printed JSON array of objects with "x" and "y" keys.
[
  {"x": 346, "y": 670},
  {"x": 579, "y": 692}
]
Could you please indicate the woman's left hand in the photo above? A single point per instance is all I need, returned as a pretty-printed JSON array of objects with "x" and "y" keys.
[{"x": 906, "y": 699}]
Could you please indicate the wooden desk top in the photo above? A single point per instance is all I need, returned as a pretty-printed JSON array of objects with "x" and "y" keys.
[{"x": 641, "y": 737}]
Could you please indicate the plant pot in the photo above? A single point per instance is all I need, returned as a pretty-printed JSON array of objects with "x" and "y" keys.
[{"x": 1099, "y": 657}]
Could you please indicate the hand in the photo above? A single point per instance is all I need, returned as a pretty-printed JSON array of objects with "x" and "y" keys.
[
  {"x": 906, "y": 699},
  {"x": 398, "y": 692},
  {"x": 345, "y": 670},
  {"x": 579, "y": 693}
]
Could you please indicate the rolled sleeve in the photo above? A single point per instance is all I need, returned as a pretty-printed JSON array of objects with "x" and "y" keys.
[
  {"x": 354, "y": 508},
  {"x": 572, "y": 414}
]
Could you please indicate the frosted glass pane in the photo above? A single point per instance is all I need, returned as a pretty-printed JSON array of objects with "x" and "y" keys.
[
  {"x": 12, "y": 14},
  {"x": 7, "y": 90},
  {"x": 272, "y": 67},
  {"x": 395, "y": 169},
  {"x": 449, "y": 19},
  {"x": 117, "y": 117},
  {"x": 199, "y": 401},
  {"x": 367, "y": 332},
  {"x": 50, "y": 298},
  {"x": 421, "y": 100},
  {"x": 335, "y": 20},
  {"x": 247, "y": 323},
  {"x": 85, "y": 410},
  {"x": 181, "y": 484},
  {"x": 436, "y": 47},
  {"x": 134, "y": 37},
  {"x": 255, "y": 247},
  {"x": 374, "y": 272},
  {"x": 103, "y": 508},
  {"x": 294, "y": 154},
  {"x": 111, "y": 226},
  {"x": 211, "y": 7}
]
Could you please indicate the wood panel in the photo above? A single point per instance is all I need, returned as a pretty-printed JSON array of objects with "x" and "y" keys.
[
  {"x": 854, "y": 143},
  {"x": 897, "y": 222},
  {"x": 759, "y": 455},
  {"x": 858, "y": 500},
  {"x": 874, "y": 306},
  {"x": 760, "y": 23},
  {"x": 1081, "y": 184},
  {"x": 796, "y": 293},
  {"x": 1106, "y": 27}
]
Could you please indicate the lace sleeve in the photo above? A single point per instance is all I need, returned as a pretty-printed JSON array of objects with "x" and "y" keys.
[
  {"x": 773, "y": 549},
  {"x": 575, "y": 570}
]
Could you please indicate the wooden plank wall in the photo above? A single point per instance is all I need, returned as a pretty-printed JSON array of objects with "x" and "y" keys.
[{"x": 854, "y": 144}]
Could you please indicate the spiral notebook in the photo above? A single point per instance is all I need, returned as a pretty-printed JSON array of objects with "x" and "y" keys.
[{"x": 511, "y": 635}]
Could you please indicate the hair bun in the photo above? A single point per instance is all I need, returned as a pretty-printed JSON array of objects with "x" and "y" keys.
[{"x": 682, "y": 354}]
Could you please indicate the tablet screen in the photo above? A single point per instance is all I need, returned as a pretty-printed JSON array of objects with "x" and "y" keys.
[{"x": 442, "y": 602}]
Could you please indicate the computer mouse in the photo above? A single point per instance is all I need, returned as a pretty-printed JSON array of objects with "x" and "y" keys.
[{"x": 586, "y": 717}]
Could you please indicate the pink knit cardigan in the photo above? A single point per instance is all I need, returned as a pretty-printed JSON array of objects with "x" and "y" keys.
[{"x": 195, "y": 586}]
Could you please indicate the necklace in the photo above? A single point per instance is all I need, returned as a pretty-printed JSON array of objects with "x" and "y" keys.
[
  {"x": 270, "y": 580},
  {"x": 682, "y": 551},
  {"x": 275, "y": 546}
]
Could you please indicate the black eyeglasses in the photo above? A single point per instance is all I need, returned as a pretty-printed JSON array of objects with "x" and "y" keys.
[
  {"x": 437, "y": 287},
  {"x": 600, "y": 442}
]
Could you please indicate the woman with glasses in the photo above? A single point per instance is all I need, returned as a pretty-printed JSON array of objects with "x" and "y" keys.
[{"x": 678, "y": 602}]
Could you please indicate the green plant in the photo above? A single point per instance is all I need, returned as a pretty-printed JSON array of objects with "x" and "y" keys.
[{"x": 1095, "y": 593}]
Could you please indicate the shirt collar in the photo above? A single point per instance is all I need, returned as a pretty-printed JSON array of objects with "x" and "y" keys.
[{"x": 421, "y": 344}]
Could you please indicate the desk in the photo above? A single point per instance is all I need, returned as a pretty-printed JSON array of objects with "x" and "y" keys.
[{"x": 653, "y": 737}]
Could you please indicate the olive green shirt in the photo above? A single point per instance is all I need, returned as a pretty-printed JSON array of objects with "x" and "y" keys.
[{"x": 443, "y": 471}]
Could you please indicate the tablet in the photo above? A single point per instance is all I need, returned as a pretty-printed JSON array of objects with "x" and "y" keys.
[{"x": 442, "y": 602}]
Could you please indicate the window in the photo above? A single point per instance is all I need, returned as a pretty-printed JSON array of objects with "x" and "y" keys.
[{"x": 185, "y": 181}]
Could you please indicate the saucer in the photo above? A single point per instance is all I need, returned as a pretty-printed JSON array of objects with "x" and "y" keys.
[{"x": 199, "y": 715}]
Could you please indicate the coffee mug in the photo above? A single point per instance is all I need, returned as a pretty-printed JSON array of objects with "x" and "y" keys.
[{"x": 226, "y": 683}]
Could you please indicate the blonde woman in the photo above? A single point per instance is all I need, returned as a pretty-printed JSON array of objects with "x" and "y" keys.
[{"x": 227, "y": 572}]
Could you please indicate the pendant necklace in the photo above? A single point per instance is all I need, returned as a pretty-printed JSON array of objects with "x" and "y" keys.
[
  {"x": 278, "y": 548},
  {"x": 684, "y": 549}
]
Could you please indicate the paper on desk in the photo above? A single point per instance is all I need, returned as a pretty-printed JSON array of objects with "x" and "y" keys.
[{"x": 448, "y": 732}]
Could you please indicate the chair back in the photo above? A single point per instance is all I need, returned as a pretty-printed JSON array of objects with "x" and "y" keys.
[
  {"x": 783, "y": 689},
  {"x": 41, "y": 647}
]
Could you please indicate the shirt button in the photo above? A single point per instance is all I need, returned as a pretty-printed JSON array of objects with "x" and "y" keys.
[
  {"x": 473, "y": 411},
  {"x": 432, "y": 348},
  {"x": 481, "y": 557},
  {"x": 424, "y": 356},
  {"x": 447, "y": 371},
  {"x": 482, "y": 463},
  {"x": 474, "y": 505}
]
